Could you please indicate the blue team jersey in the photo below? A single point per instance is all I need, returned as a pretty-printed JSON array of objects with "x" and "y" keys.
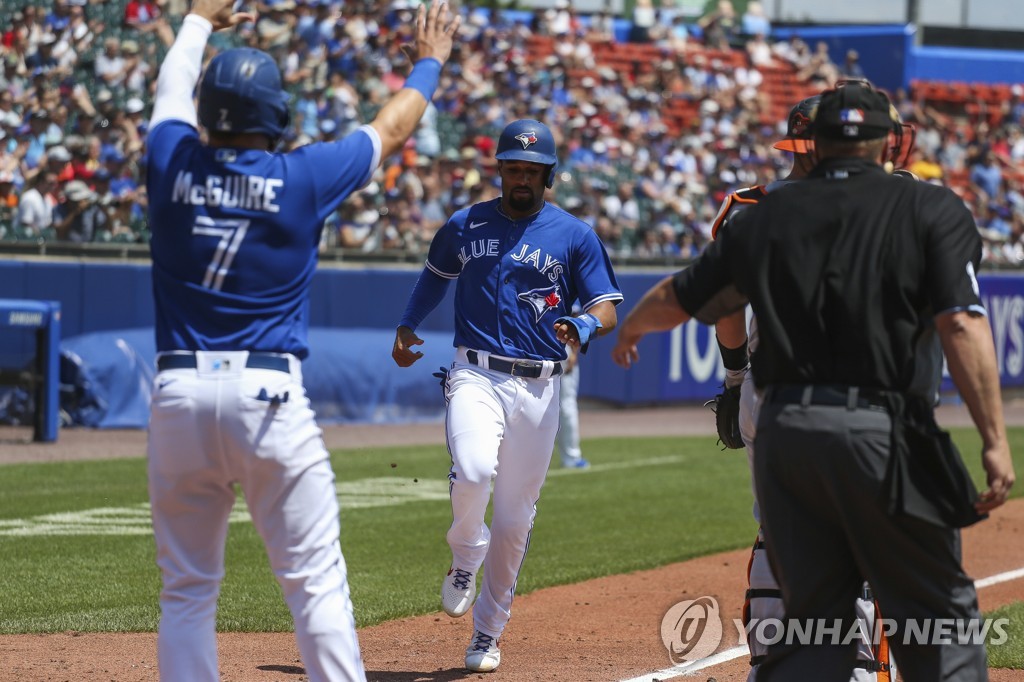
[
  {"x": 516, "y": 277},
  {"x": 235, "y": 234}
]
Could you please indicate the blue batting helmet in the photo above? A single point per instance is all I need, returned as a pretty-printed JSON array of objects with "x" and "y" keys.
[
  {"x": 528, "y": 140},
  {"x": 241, "y": 93}
]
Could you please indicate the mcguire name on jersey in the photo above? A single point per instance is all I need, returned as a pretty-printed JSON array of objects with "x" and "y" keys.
[{"x": 249, "y": 192}]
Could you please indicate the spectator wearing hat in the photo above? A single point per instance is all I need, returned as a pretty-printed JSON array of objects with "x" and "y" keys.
[
  {"x": 122, "y": 179},
  {"x": 42, "y": 60},
  {"x": 274, "y": 27},
  {"x": 136, "y": 69},
  {"x": 134, "y": 116},
  {"x": 101, "y": 185},
  {"x": 58, "y": 161},
  {"x": 79, "y": 218},
  {"x": 104, "y": 102},
  {"x": 358, "y": 221},
  {"x": 76, "y": 167}
]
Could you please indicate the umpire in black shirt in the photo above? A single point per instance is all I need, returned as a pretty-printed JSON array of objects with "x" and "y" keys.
[{"x": 856, "y": 278}]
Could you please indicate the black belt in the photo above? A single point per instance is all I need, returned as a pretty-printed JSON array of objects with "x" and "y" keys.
[
  {"x": 531, "y": 369},
  {"x": 275, "y": 361},
  {"x": 838, "y": 395}
]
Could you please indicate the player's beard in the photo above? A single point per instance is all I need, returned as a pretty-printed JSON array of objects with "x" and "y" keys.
[{"x": 522, "y": 199}]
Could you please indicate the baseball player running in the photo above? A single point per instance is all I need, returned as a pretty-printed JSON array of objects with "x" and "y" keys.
[
  {"x": 235, "y": 228},
  {"x": 519, "y": 263},
  {"x": 763, "y": 600}
]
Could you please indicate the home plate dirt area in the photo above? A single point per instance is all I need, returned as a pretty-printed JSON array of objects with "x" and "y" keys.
[{"x": 606, "y": 629}]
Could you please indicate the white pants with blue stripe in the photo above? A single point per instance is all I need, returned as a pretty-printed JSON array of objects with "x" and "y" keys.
[{"x": 500, "y": 428}]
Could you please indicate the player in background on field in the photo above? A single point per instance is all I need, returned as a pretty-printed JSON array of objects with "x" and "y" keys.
[
  {"x": 235, "y": 230},
  {"x": 520, "y": 263},
  {"x": 763, "y": 600}
]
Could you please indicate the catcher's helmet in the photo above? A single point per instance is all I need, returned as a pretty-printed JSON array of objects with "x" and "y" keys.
[
  {"x": 798, "y": 127},
  {"x": 528, "y": 140},
  {"x": 241, "y": 93}
]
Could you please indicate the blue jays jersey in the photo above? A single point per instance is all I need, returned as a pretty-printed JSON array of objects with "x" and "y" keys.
[
  {"x": 516, "y": 277},
  {"x": 235, "y": 234}
]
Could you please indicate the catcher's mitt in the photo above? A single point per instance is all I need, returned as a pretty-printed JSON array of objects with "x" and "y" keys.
[{"x": 726, "y": 406}]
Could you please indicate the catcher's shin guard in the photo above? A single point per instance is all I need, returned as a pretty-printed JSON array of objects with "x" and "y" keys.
[
  {"x": 874, "y": 660},
  {"x": 763, "y": 600}
]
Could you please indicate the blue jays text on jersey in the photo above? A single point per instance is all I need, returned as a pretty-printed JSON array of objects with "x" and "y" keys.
[
  {"x": 515, "y": 277},
  {"x": 527, "y": 254}
]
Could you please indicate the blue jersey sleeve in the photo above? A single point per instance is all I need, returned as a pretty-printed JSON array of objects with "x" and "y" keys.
[
  {"x": 443, "y": 257},
  {"x": 166, "y": 144},
  {"x": 595, "y": 279},
  {"x": 337, "y": 169}
]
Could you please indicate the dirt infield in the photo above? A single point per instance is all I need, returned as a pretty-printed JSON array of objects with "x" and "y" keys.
[{"x": 605, "y": 629}]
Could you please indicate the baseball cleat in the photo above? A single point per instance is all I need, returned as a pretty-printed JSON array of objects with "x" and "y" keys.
[
  {"x": 458, "y": 592},
  {"x": 483, "y": 654},
  {"x": 575, "y": 463}
]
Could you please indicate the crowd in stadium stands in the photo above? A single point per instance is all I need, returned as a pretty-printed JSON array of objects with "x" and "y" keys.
[{"x": 77, "y": 78}]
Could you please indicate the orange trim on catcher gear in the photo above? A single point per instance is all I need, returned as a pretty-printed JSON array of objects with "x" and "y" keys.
[
  {"x": 881, "y": 652},
  {"x": 794, "y": 145},
  {"x": 747, "y": 195}
]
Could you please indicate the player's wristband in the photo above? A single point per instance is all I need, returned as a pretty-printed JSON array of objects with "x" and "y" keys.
[
  {"x": 733, "y": 358},
  {"x": 424, "y": 77},
  {"x": 586, "y": 325}
]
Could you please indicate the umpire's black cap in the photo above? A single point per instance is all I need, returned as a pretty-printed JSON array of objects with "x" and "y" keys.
[{"x": 854, "y": 110}]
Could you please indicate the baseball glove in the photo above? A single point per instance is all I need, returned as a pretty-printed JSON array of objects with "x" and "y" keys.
[{"x": 726, "y": 406}]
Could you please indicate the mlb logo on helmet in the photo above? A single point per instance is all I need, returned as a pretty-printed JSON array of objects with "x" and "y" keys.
[
  {"x": 851, "y": 116},
  {"x": 526, "y": 139}
]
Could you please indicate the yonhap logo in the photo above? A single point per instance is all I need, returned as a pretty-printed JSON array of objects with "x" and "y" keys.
[{"x": 691, "y": 630}]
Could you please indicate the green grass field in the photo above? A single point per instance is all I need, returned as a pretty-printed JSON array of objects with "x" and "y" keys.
[{"x": 78, "y": 553}]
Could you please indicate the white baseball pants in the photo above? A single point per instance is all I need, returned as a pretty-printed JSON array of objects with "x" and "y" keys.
[
  {"x": 213, "y": 427},
  {"x": 499, "y": 428}
]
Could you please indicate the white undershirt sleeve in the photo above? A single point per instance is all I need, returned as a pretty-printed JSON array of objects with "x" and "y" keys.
[{"x": 180, "y": 72}]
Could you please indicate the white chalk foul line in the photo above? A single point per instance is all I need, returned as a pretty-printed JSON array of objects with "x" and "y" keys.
[
  {"x": 999, "y": 578},
  {"x": 686, "y": 668},
  {"x": 742, "y": 650}
]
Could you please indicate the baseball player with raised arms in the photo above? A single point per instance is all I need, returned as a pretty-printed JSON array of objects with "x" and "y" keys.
[
  {"x": 519, "y": 263},
  {"x": 236, "y": 226},
  {"x": 763, "y": 600}
]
